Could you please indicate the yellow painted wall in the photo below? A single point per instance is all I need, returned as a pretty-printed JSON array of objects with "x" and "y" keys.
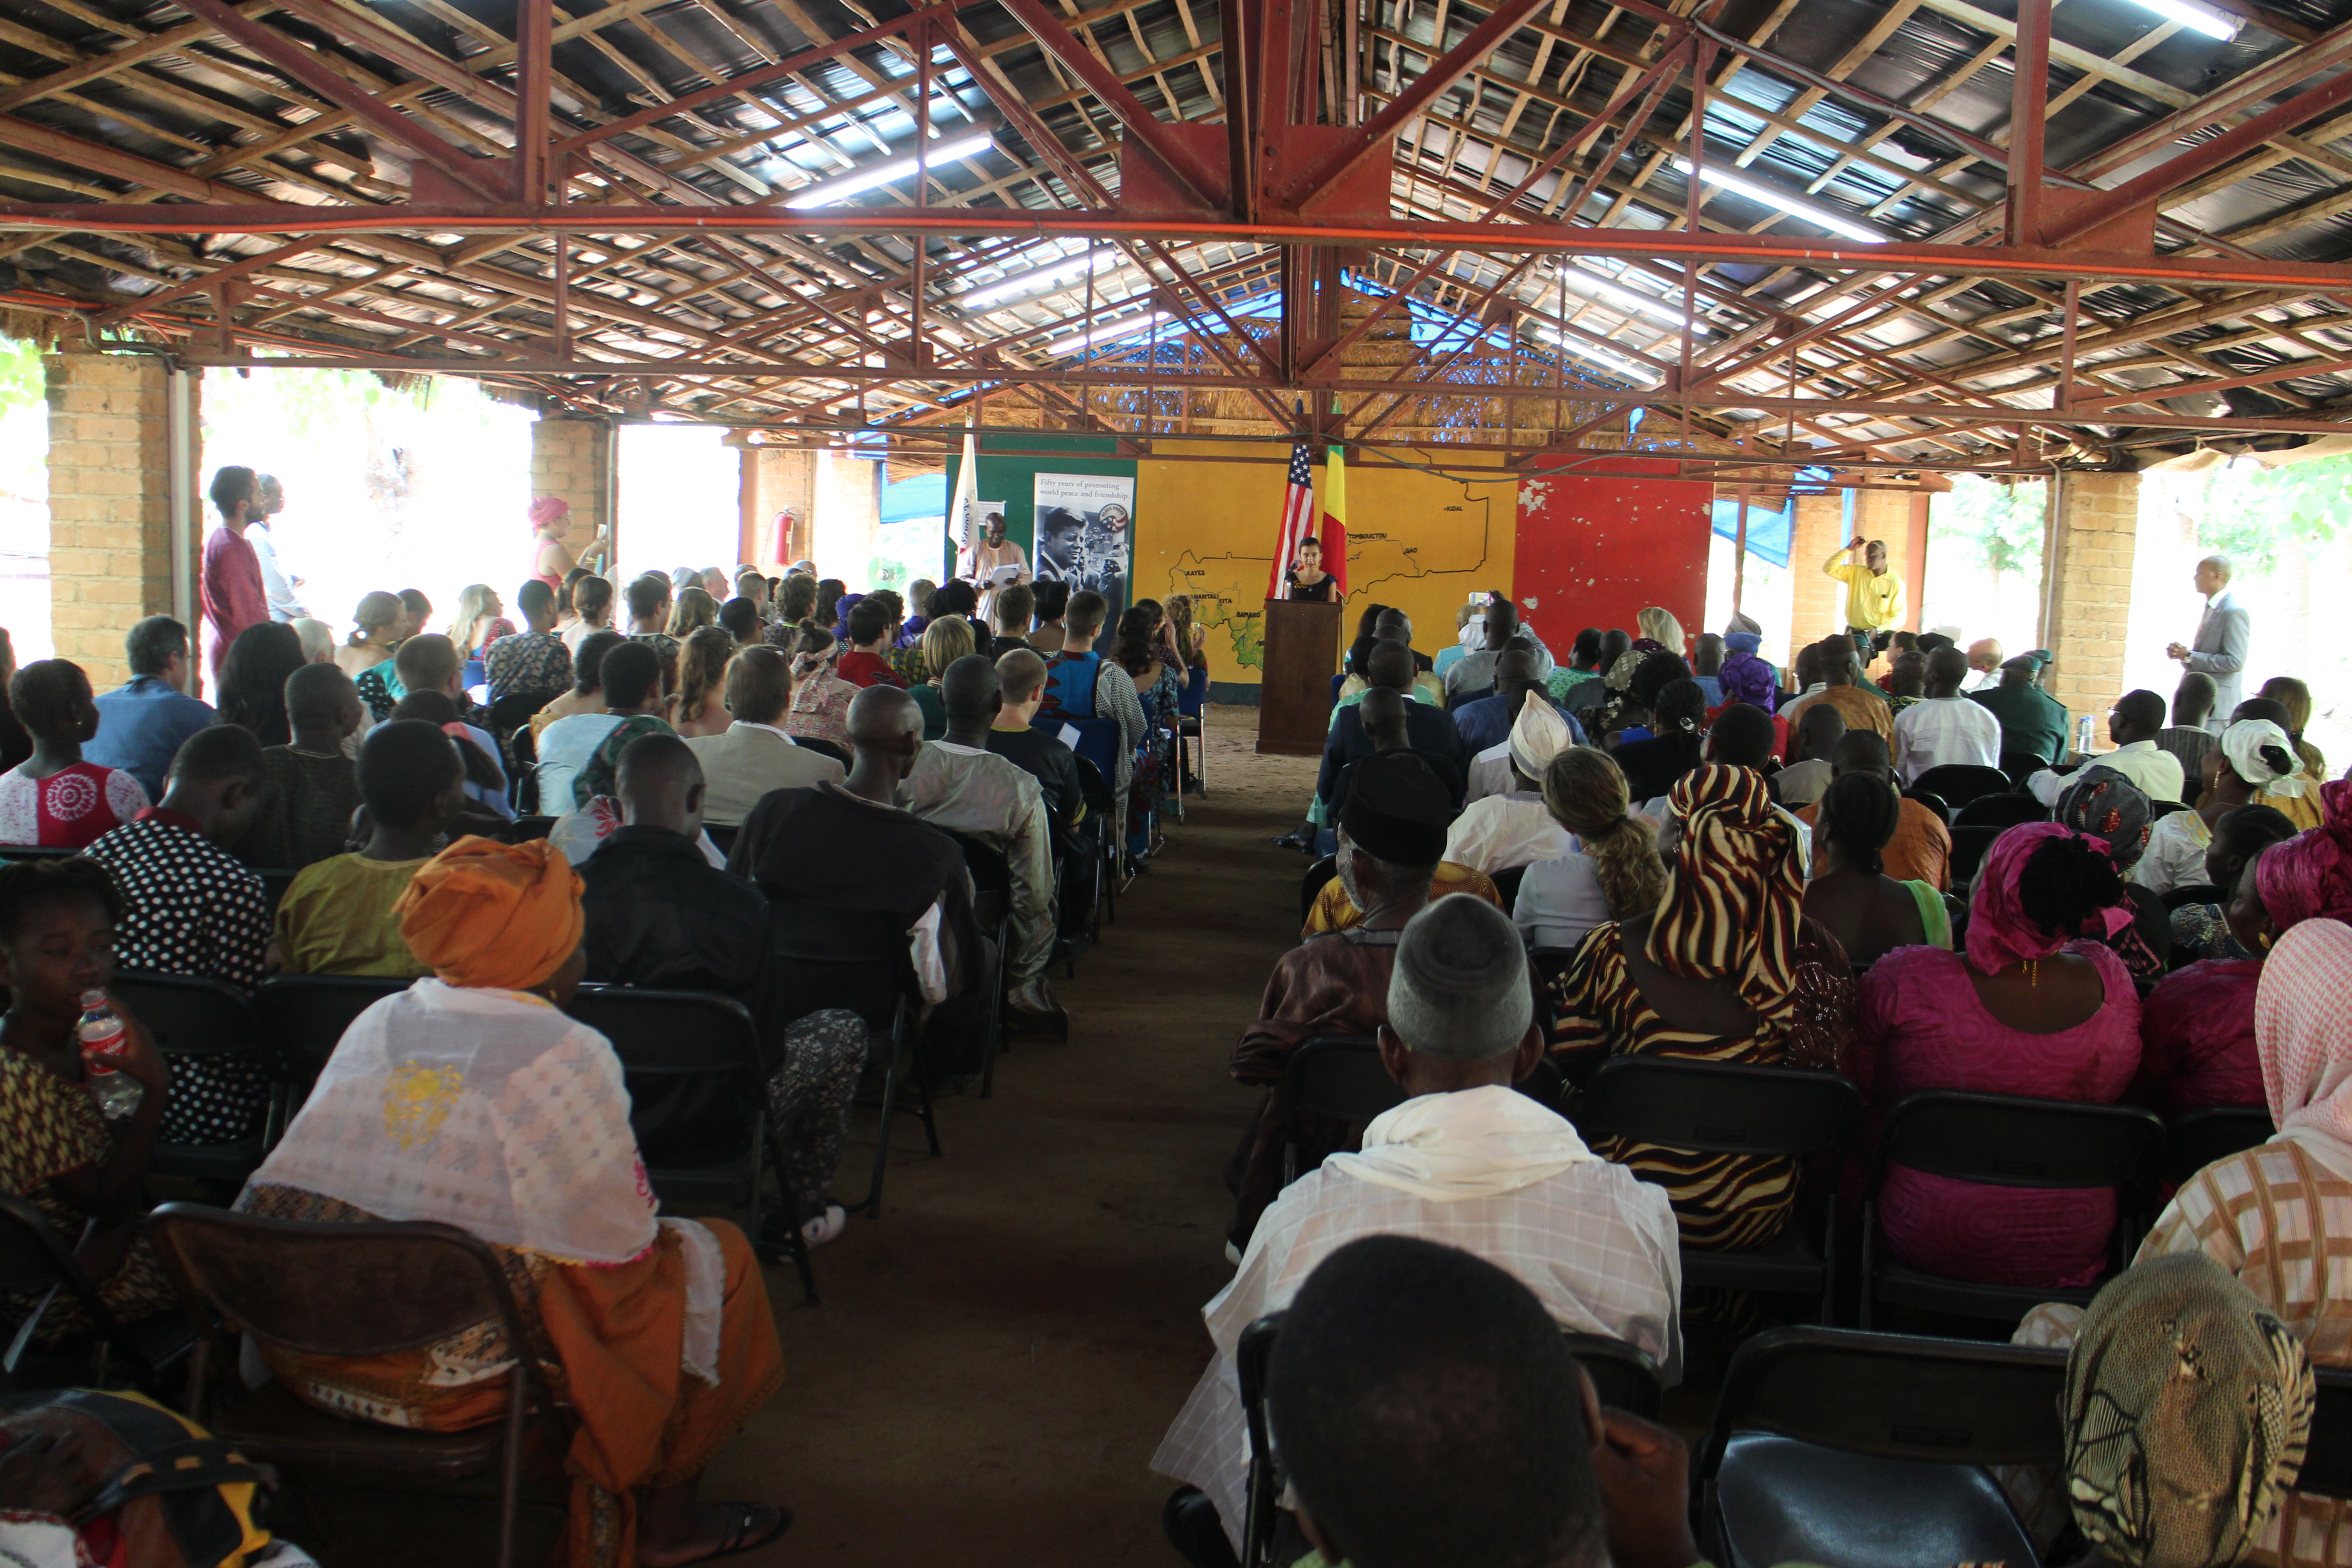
[{"x": 1417, "y": 541}]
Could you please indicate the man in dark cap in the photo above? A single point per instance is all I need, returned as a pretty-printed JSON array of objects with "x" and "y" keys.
[
  {"x": 1392, "y": 841},
  {"x": 1464, "y": 1161},
  {"x": 2033, "y": 722}
]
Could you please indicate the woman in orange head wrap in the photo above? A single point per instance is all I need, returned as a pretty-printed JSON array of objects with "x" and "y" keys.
[{"x": 471, "y": 1099}]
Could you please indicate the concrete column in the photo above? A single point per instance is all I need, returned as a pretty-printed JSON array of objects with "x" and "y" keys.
[
  {"x": 573, "y": 459},
  {"x": 1817, "y": 603},
  {"x": 776, "y": 479},
  {"x": 2088, "y": 581},
  {"x": 109, "y": 505}
]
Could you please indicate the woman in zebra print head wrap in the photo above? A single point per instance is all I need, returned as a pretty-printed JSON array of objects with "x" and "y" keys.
[{"x": 1727, "y": 968}]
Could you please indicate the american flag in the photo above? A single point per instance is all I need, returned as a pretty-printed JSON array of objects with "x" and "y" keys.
[{"x": 1297, "y": 516}]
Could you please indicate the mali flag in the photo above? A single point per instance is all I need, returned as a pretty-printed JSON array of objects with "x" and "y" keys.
[{"x": 1333, "y": 532}]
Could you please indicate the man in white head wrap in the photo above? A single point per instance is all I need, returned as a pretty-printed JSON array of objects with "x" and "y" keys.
[
  {"x": 1498, "y": 832},
  {"x": 1467, "y": 1161}
]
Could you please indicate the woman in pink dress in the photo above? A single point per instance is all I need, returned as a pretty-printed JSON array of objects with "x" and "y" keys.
[
  {"x": 54, "y": 798},
  {"x": 2034, "y": 1008}
]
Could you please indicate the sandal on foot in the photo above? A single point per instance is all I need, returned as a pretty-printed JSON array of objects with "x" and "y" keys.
[{"x": 743, "y": 1534}]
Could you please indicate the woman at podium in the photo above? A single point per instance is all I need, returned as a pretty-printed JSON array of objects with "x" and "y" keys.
[{"x": 1306, "y": 579}]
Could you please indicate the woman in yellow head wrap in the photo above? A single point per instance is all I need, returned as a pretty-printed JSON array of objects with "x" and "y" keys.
[{"x": 472, "y": 1099}]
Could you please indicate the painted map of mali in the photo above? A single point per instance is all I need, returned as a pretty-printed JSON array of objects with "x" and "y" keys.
[{"x": 1440, "y": 539}]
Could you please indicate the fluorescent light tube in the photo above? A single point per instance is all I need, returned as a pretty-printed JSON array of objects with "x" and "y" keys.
[
  {"x": 1037, "y": 280},
  {"x": 1127, "y": 329},
  {"x": 825, "y": 193},
  {"x": 1773, "y": 197},
  {"x": 2195, "y": 17},
  {"x": 1621, "y": 299},
  {"x": 1582, "y": 350}
]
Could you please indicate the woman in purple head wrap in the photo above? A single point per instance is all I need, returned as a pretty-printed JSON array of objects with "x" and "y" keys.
[{"x": 1746, "y": 678}]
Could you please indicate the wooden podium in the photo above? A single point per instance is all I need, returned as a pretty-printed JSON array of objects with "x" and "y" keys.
[{"x": 1302, "y": 653}]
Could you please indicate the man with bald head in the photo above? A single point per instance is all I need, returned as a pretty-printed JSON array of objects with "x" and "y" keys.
[
  {"x": 1427, "y": 727},
  {"x": 957, "y": 784},
  {"x": 1475, "y": 671},
  {"x": 851, "y": 847},
  {"x": 661, "y": 916},
  {"x": 1945, "y": 726},
  {"x": 2224, "y": 634},
  {"x": 1985, "y": 659}
]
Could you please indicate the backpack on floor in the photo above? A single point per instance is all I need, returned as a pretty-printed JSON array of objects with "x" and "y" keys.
[{"x": 141, "y": 1487}]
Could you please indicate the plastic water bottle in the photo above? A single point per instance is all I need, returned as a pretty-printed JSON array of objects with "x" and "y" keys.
[
  {"x": 2083, "y": 731},
  {"x": 105, "y": 1041}
]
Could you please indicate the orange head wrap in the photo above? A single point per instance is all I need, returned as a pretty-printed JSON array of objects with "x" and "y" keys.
[{"x": 484, "y": 913}]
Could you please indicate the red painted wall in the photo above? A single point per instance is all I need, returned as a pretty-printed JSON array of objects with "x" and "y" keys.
[{"x": 1595, "y": 552}]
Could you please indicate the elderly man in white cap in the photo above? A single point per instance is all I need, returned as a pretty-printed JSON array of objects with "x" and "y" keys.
[
  {"x": 1468, "y": 1161},
  {"x": 1498, "y": 831}
]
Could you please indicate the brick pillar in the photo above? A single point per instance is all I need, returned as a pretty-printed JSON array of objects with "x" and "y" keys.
[
  {"x": 1884, "y": 514},
  {"x": 109, "y": 505},
  {"x": 573, "y": 459},
  {"x": 1817, "y": 603},
  {"x": 774, "y": 480},
  {"x": 2089, "y": 602},
  {"x": 846, "y": 513}
]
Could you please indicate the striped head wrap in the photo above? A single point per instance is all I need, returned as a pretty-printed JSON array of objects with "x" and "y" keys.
[{"x": 1735, "y": 893}]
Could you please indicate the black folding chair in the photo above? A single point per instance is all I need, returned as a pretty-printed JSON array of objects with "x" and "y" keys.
[
  {"x": 512, "y": 712},
  {"x": 1506, "y": 885},
  {"x": 1830, "y": 1445},
  {"x": 37, "y": 1261},
  {"x": 306, "y": 1016},
  {"x": 2019, "y": 766},
  {"x": 723, "y": 838},
  {"x": 837, "y": 958},
  {"x": 522, "y": 770},
  {"x": 36, "y": 852},
  {"x": 1723, "y": 1108},
  {"x": 2327, "y": 1456},
  {"x": 1968, "y": 847},
  {"x": 991, "y": 884},
  {"x": 698, "y": 1101},
  {"x": 2003, "y": 1141},
  {"x": 196, "y": 1019},
  {"x": 1960, "y": 782},
  {"x": 2000, "y": 811},
  {"x": 353, "y": 1290},
  {"x": 1932, "y": 801},
  {"x": 2157, "y": 810},
  {"x": 2216, "y": 1132},
  {"x": 1624, "y": 1376},
  {"x": 827, "y": 748},
  {"x": 1338, "y": 1077},
  {"x": 1311, "y": 886},
  {"x": 2190, "y": 893}
]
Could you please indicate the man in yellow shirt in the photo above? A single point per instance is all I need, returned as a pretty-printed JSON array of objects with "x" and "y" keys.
[{"x": 1873, "y": 595}]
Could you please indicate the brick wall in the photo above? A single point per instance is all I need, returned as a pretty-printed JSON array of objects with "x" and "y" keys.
[
  {"x": 845, "y": 514},
  {"x": 774, "y": 480},
  {"x": 572, "y": 458},
  {"x": 109, "y": 505},
  {"x": 1817, "y": 604},
  {"x": 2096, "y": 536}
]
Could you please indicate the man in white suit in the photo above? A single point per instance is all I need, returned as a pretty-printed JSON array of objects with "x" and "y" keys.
[
  {"x": 753, "y": 754},
  {"x": 2223, "y": 635}
]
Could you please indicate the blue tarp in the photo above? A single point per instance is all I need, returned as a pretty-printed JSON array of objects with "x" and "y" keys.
[
  {"x": 925, "y": 495},
  {"x": 1767, "y": 530}
]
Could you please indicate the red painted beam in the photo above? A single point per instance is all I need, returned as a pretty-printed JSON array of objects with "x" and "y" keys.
[
  {"x": 484, "y": 177},
  {"x": 1374, "y": 139},
  {"x": 1205, "y": 182}
]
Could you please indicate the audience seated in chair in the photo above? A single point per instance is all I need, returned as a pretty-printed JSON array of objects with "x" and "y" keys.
[
  {"x": 190, "y": 908},
  {"x": 572, "y": 749},
  {"x": 1819, "y": 730},
  {"x": 57, "y": 925},
  {"x": 1726, "y": 969},
  {"x": 1337, "y": 983},
  {"x": 509, "y": 1120},
  {"x": 1384, "y": 713},
  {"x": 659, "y": 915},
  {"x": 310, "y": 788},
  {"x": 852, "y": 846},
  {"x": 429, "y": 664},
  {"x": 587, "y": 692},
  {"x": 1611, "y": 870},
  {"x": 55, "y": 797},
  {"x": 1500, "y": 832},
  {"x": 1835, "y": 666},
  {"x": 1674, "y": 745},
  {"x": 2250, "y": 764},
  {"x": 1467, "y": 1160},
  {"x": 1921, "y": 847},
  {"x": 1080, "y": 683},
  {"x": 1487, "y": 721},
  {"x": 960, "y": 784},
  {"x": 2190, "y": 734},
  {"x": 1480, "y": 669},
  {"x": 2033, "y": 1007},
  {"x": 1855, "y": 894},
  {"x": 142, "y": 722},
  {"x": 532, "y": 662},
  {"x": 340, "y": 916},
  {"x": 2102, "y": 804},
  {"x": 2132, "y": 724},
  {"x": 1944, "y": 727},
  {"x": 2033, "y": 722},
  {"x": 1021, "y": 684},
  {"x": 1427, "y": 728},
  {"x": 2202, "y": 928},
  {"x": 755, "y": 754}
]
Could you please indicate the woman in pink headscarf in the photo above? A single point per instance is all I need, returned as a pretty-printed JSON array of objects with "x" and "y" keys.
[
  {"x": 2038, "y": 1007},
  {"x": 552, "y": 557}
]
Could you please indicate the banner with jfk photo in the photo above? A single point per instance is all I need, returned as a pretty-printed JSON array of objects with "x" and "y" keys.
[{"x": 1085, "y": 534}]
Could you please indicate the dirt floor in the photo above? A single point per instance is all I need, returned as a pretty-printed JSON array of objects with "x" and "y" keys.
[{"x": 996, "y": 1357}]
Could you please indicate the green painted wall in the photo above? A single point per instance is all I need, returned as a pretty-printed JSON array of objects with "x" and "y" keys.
[{"x": 1012, "y": 480}]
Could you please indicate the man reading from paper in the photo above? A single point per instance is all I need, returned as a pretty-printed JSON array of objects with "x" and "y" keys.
[{"x": 994, "y": 563}]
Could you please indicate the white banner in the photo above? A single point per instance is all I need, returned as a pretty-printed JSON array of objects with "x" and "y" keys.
[{"x": 1085, "y": 534}]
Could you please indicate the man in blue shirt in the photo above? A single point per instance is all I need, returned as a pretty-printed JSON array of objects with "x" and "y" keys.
[{"x": 142, "y": 723}]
